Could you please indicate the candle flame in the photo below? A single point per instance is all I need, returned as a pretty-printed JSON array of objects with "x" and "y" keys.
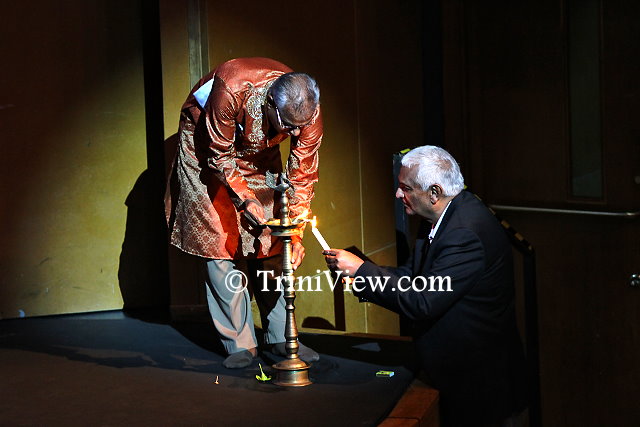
[{"x": 314, "y": 222}]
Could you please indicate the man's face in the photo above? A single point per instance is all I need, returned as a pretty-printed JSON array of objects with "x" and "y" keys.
[
  {"x": 416, "y": 201},
  {"x": 280, "y": 126}
]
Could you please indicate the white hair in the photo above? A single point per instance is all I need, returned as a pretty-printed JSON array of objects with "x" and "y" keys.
[{"x": 435, "y": 166}]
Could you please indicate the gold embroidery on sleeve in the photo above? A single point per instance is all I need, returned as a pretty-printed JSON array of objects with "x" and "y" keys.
[{"x": 254, "y": 108}]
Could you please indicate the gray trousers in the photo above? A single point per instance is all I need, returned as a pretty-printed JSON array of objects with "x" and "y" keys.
[{"x": 228, "y": 286}]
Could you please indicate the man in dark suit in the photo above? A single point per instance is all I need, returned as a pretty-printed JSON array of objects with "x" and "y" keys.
[{"x": 458, "y": 290}]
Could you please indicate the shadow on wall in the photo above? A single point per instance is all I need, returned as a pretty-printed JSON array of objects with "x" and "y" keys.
[
  {"x": 146, "y": 281},
  {"x": 143, "y": 269}
]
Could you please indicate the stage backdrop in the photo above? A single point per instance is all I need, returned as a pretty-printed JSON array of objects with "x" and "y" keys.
[{"x": 85, "y": 88}]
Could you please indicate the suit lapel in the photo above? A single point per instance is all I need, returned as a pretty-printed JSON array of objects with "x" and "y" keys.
[
  {"x": 425, "y": 263},
  {"x": 422, "y": 245}
]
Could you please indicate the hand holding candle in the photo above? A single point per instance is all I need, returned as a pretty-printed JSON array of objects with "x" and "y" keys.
[{"x": 337, "y": 258}]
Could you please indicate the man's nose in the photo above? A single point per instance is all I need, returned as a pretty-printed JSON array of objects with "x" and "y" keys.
[{"x": 399, "y": 194}]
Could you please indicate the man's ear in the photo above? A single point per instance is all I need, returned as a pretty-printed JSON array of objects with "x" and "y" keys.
[
  {"x": 316, "y": 112},
  {"x": 435, "y": 193}
]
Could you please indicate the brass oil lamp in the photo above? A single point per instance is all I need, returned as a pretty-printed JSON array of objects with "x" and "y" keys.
[{"x": 292, "y": 371}]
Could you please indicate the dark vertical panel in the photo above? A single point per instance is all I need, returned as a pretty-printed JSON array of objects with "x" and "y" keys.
[
  {"x": 198, "y": 40},
  {"x": 621, "y": 103},
  {"x": 432, "y": 72},
  {"x": 454, "y": 84},
  {"x": 532, "y": 335},
  {"x": 152, "y": 69},
  {"x": 516, "y": 81},
  {"x": 584, "y": 97},
  {"x": 145, "y": 245}
]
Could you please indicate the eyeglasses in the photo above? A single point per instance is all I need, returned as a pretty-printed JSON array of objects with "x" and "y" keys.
[{"x": 288, "y": 128}]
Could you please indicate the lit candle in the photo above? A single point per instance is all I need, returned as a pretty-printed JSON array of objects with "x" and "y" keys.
[
  {"x": 319, "y": 237},
  {"x": 325, "y": 246}
]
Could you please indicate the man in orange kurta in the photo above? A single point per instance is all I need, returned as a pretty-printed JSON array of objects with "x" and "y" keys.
[{"x": 231, "y": 125}]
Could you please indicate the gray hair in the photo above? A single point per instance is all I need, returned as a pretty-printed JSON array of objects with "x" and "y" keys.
[
  {"x": 296, "y": 95},
  {"x": 435, "y": 166}
]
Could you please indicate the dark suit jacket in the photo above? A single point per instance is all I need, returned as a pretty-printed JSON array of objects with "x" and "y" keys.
[{"x": 467, "y": 338}]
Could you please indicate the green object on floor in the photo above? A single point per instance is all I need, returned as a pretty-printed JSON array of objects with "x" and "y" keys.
[{"x": 262, "y": 377}]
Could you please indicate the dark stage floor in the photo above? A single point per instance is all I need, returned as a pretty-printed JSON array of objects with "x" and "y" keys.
[{"x": 112, "y": 369}]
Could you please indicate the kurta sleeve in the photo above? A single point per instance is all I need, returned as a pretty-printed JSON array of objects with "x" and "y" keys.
[
  {"x": 221, "y": 111},
  {"x": 302, "y": 164}
]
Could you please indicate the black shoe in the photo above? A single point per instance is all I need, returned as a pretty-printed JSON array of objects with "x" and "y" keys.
[{"x": 240, "y": 359}]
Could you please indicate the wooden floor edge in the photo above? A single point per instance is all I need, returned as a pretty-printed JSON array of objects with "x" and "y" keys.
[{"x": 418, "y": 406}]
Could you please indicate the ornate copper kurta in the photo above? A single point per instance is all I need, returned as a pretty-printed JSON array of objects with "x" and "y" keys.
[{"x": 222, "y": 158}]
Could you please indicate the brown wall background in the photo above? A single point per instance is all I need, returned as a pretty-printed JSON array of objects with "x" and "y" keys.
[{"x": 72, "y": 131}]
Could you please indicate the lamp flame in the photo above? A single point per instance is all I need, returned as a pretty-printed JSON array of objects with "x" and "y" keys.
[{"x": 302, "y": 216}]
